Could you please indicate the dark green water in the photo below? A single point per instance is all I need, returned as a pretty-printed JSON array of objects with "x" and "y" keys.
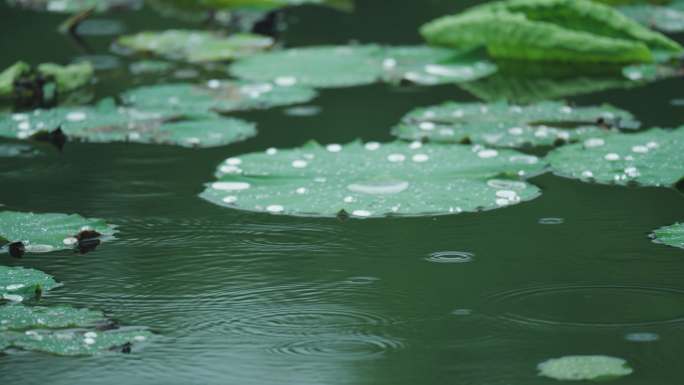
[{"x": 243, "y": 298}]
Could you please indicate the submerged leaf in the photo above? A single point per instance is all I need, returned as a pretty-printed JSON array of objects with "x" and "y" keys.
[
  {"x": 374, "y": 180},
  {"x": 196, "y": 46},
  {"x": 41, "y": 233},
  {"x": 504, "y": 125},
  {"x": 344, "y": 66},
  {"x": 557, "y": 30},
  {"x": 219, "y": 96},
  {"x": 108, "y": 123},
  {"x": 19, "y": 317},
  {"x": 17, "y": 283},
  {"x": 577, "y": 368},
  {"x": 78, "y": 342},
  {"x": 671, "y": 235},
  {"x": 650, "y": 158}
]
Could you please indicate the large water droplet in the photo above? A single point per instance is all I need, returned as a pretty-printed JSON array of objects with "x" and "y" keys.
[{"x": 379, "y": 188}]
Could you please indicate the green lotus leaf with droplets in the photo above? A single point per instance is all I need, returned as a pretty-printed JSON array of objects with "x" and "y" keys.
[
  {"x": 19, "y": 317},
  {"x": 556, "y": 30},
  {"x": 375, "y": 180},
  {"x": 671, "y": 235},
  {"x": 195, "y": 46},
  {"x": 578, "y": 368},
  {"x": 73, "y": 6},
  {"x": 505, "y": 125},
  {"x": 665, "y": 17},
  {"x": 215, "y": 95},
  {"x": 650, "y": 158},
  {"x": 41, "y": 233},
  {"x": 106, "y": 122},
  {"x": 18, "y": 283},
  {"x": 345, "y": 66},
  {"x": 77, "y": 342}
]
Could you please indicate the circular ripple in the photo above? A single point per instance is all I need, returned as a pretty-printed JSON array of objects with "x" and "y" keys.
[
  {"x": 602, "y": 306},
  {"x": 303, "y": 321},
  {"x": 357, "y": 347},
  {"x": 450, "y": 257},
  {"x": 551, "y": 221}
]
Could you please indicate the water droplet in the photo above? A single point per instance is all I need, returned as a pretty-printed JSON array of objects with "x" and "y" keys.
[
  {"x": 450, "y": 257},
  {"x": 90, "y": 335},
  {"x": 652, "y": 145},
  {"x": 333, "y": 147},
  {"x": 299, "y": 163},
  {"x": 19, "y": 117},
  {"x": 89, "y": 341},
  {"x": 587, "y": 174},
  {"x": 233, "y": 161},
  {"x": 24, "y": 126},
  {"x": 14, "y": 287},
  {"x": 230, "y": 186},
  {"x": 515, "y": 131},
  {"x": 372, "y": 146},
  {"x": 611, "y": 157},
  {"x": 379, "y": 188},
  {"x": 415, "y": 145},
  {"x": 286, "y": 81},
  {"x": 503, "y": 202},
  {"x": 348, "y": 199},
  {"x": 420, "y": 158},
  {"x": 566, "y": 110},
  {"x": 70, "y": 241},
  {"x": 484, "y": 154},
  {"x": 640, "y": 149},
  {"x": 642, "y": 337},
  {"x": 524, "y": 159},
  {"x": 271, "y": 151},
  {"x": 361, "y": 213},
  {"x": 462, "y": 312},
  {"x": 214, "y": 83},
  {"x": 427, "y": 126},
  {"x": 504, "y": 184},
  {"x": 507, "y": 194},
  {"x": 13, "y": 297},
  {"x": 396, "y": 158},
  {"x": 76, "y": 116},
  {"x": 230, "y": 199},
  {"x": 594, "y": 142},
  {"x": 139, "y": 338},
  {"x": 632, "y": 172},
  {"x": 230, "y": 169},
  {"x": 551, "y": 221},
  {"x": 275, "y": 208},
  {"x": 389, "y": 63},
  {"x": 39, "y": 248}
]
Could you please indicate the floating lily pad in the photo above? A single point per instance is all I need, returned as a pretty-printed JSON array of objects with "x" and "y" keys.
[
  {"x": 73, "y": 6},
  {"x": 19, "y": 317},
  {"x": 504, "y": 125},
  {"x": 216, "y": 95},
  {"x": 374, "y": 180},
  {"x": 78, "y": 342},
  {"x": 558, "y": 30},
  {"x": 42, "y": 233},
  {"x": 195, "y": 46},
  {"x": 665, "y": 17},
  {"x": 344, "y": 66},
  {"x": 671, "y": 235},
  {"x": 18, "y": 283},
  {"x": 578, "y": 368},
  {"x": 109, "y": 123},
  {"x": 651, "y": 158}
]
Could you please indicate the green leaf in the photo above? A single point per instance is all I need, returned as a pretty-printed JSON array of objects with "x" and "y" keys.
[
  {"x": 671, "y": 235},
  {"x": 650, "y": 158},
  {"x": 504, "y": 125},
  {"x": 374, "y": 180},
  {"x": 41, "y": 233},
  {"x": 18, "y": 283},
  {"x": 344, "y": 66},
  {"x": 109, "y": 123},
  {"x": 577, "y": 368},
  {"x": 10, "y": 75},
  {"x": 195, "y": 46},
  {"x": 19, "y": 317},
  {"x": 73, "y": 6},
  {"x": 668, "y": 18},
  {"x": 68, "y": 78},
  {"x": 78, "y": 342},
  {"x": 561, "y": 30},
  {"x": 219, "y": 96}
]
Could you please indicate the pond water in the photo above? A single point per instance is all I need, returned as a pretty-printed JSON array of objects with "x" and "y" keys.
[{"x": 245, "y": 298}]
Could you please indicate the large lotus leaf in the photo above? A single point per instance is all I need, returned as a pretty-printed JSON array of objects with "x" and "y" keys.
[
  {"x": 667, "y": 18},
  {"x": 432, "y": 65},
  {"x": 10, "y": 75},
  {"x": 72, "y": 6},
  {"x": 651, "y": 158},
  {"x": 671, "y": 235},
  {"x": 587, "y": 16},
  {"x": 504, "y": 125},
  {"x": 19, "y": 317},
  {"x": 577, "y": 368},
  {"x": 108, "y": 123},
  {"x": 219, "y": 96},
  {"x": 17, "y": 283},
  {"x": 68, "y": 78},
  {"x": 196, "y": 46},
  {"x": 344, "y": 66},
  {"x": 78, "y": 342},
  {"x": 374, "y": 180},
  {"x": 42, "y": 233}
]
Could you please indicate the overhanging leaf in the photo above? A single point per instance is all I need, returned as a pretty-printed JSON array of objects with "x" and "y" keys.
[
  {"x": 41, "y": 233},
  {"x": 504, "y": 125},
  {"x": 374, "y": 180},
  {"x": 195, "y": 46},
  {"x": 577, "y": 368},
  {"x": 18, "y": 283},
  {"x": 671, "y": 235},
  {"x": 650, "y": 158}
]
